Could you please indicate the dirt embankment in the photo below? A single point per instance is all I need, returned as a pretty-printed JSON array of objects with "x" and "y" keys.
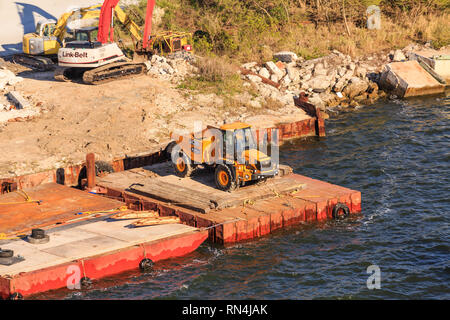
[{"x": 119, "y": 118}]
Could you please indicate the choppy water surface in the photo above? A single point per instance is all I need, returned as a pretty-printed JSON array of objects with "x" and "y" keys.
[{"x": 397, "y": 154}]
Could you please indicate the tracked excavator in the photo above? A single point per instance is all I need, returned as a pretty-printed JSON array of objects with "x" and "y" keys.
[
  {"x": 102, "y": 60},
  {"x": 40, "y": 48}
]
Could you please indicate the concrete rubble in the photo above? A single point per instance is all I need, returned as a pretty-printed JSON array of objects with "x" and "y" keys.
[
  {"x": 338, "y": 80},
  {"x": 8, "y": 77},
  {"x": 174, "y": 67},
  {"x": 416, "y": 71},
  {"x": 13, "y": 106},
  {"x": 331, "y": 81}
]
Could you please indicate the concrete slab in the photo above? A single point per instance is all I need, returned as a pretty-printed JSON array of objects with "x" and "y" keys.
[
  {"x": 438, "y": 60},
  {"x": 85, "y": 240},
  {"x": 58, "y": 204},
  {"x": 96, "y": 249},
  {"x": 121, "y": 230},
  {"x": 87, "y": 247},
  {"x": 406, "y": 79}
]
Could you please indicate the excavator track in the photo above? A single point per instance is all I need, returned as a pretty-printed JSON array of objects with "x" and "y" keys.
[
  {"x": 38, "y": 63},
  {"x": 68, "y": 74},
  {"x": 113, "y": 71}
]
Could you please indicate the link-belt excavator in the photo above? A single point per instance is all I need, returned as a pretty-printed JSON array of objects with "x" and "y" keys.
[
  {"x": 102, "y": 60},
  {"x": 40, "y": 48}
]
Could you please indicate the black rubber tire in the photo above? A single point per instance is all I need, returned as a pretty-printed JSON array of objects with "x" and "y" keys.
[
  {"x": 169, "y": 148},
  {"x": 103, "y": 167},
  {"x": 340, "y": 207},
  {"x": 5, "y": 253},
  {"x": 146, "y": 265},
  {"x": 187, "y": 171},
  {"x": 85, "y": 283},
  {"x": 16, "y": 296},
  {"x": 37, "y": 233},
  {"x": 231, "y": 185}
]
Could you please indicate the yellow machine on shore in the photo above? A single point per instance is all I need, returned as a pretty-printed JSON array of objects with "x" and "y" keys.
[
  {"x": 40, "y": 48},
  {"x": 231, "y": 150}
]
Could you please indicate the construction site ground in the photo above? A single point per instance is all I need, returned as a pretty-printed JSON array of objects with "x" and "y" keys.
[{"x": 115, "y": 119}]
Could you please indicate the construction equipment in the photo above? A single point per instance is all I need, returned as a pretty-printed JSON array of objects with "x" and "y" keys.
[
  {"x": 230, "y": 150},
  {"x": 40, "y": 48},
  {"x": 102, "y": 60}
]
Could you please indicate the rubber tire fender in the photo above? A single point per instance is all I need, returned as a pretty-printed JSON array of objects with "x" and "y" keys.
[
  {"x": 146, "y": 264},
  {"x": 337, "y": 208}
]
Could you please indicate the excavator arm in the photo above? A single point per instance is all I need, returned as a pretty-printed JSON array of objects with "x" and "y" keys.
[
  {"x": 128, "y": 23},
  {"x": 87, "y": 12},
  {"x": 105, "y": 26}
]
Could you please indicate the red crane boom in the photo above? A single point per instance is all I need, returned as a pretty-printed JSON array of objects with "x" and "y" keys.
[{"x": 105, "y": 26}]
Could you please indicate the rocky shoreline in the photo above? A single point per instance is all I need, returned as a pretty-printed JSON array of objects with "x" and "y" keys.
[{"x": 333, "y": 82}]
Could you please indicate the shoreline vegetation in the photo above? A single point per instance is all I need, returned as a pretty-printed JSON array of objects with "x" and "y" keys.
[{"x": 324, "y": 35}]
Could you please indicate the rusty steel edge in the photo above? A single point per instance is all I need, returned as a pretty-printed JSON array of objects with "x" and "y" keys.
[{"x": 73, "y": 174}]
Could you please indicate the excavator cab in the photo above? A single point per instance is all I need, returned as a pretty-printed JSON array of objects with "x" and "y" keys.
[
  {"x": 86, "y": 34},
  {"x": 45, "y": 28},
  {"x": 42, "y": 40}
]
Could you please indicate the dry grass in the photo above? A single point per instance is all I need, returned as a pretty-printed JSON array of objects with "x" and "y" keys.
[
  {"x": 311, "y": 42},
  {"x": 215, "y": 75}
]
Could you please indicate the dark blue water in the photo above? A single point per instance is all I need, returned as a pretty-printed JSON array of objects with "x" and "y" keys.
[{"x": 397, "y": 154}]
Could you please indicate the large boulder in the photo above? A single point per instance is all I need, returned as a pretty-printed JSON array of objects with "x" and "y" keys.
[
  {"x": 293, "y": 73},
  {"x": 355, "y": 87},
  {"x": 319, "y": 84}
]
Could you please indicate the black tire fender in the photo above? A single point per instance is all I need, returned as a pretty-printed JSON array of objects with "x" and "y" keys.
[
  {"x": 338, "y": 208},
  {"x": 5, "y": 253},
  {"x": 146, "y": 264}
]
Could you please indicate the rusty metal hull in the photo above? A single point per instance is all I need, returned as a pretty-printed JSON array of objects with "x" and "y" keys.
[{"x": 74, "y": 174}]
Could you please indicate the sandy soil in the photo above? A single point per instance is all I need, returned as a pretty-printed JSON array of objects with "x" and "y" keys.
[{"x": 114, "y": 119}]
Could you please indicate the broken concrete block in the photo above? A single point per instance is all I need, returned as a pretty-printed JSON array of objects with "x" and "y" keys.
[
  {"x": 272, "y": 67},
  {"x": 19, "y": 101},
  {"x": 285, "y": 56},
  {"x": 398, "y": 56},
  {"x": 438, "y": 60},
  {"x": 249, "y": 65},
  {"x": 264, "y": 73},
  {"x": 405, "y": 79},
  {"x": 254, "y": 78}
]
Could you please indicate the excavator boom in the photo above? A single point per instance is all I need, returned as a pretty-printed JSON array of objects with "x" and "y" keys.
[
  {"x": 88, "y": 12},
  {"x": 105, "y": 27}
]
